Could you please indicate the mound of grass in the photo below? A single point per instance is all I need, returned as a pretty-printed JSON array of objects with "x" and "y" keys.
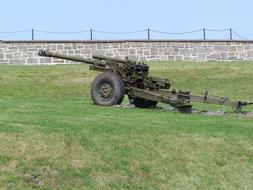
[{"x": 53, "y": 137}]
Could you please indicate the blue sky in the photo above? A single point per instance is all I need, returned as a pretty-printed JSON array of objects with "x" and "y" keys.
[{"x": 127, "y": 15}]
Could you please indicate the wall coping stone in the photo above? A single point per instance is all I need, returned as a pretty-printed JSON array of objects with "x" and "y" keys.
[{"x": 120, "y": 41}]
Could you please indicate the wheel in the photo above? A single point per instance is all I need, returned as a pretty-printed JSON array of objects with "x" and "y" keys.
[
  {"x": 107, "y": 89},
  {"x": 142, "y": 103}
]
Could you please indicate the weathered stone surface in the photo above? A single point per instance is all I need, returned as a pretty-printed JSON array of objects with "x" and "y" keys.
[
  {"x": 44, "y": 60},
  {"x": 60, "y": 46},
  {"x": 154, "y": 51},
  {"x": 220, "y": 47},
  {"x": 201, "y": 57},
  {"x": 214, "y": 56},
  {"x": 250, "y": 53},
  {"x": 8, "y": 56},
  {"x": 232, "y": 48},
  {"x": 178, "y": 58},
  {"x": 4, "y": 62},
  {"x": 27, "y": 52},
  {"x": 171, "y": 58},
  {"x": 17, "y": 61},
  {"x": 185, "y": 52},
  {"x": 32, "y": 61}
]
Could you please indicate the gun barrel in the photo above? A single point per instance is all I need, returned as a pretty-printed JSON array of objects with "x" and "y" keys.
[
  {"x": 68, "y": 57},
  {"x": 101, "y": 57}
]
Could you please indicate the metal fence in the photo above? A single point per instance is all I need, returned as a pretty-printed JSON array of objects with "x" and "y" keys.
[{"x": 147, "y": 34}]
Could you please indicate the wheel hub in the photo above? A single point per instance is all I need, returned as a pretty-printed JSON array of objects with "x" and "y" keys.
[{"x": 105, "y": 90}]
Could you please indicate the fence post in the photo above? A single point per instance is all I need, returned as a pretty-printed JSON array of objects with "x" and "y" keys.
[
  {"x": 32, "y": 34},
  {"x": 91, "y": 37},
  {"x": 148, "y": 34},
  {"x": 230, "y": 34},
  {"x": 204, "y": 33}
]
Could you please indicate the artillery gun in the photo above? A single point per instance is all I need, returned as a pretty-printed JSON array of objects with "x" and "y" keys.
[{"x": 122, "y": 77}]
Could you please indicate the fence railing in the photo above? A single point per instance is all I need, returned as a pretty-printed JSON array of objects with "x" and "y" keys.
[{"x": 147, "y": 34}]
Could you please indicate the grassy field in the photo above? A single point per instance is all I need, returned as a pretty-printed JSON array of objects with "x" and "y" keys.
[{"x": 53, "y": 137}]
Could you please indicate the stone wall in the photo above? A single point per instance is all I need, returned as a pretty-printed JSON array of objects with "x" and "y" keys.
[{"x": 25, "y": 52}]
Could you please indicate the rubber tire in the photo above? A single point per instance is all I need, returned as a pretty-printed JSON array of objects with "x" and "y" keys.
[
  {"x": 142, "y": 103},
  {"x": 117, "y": 85}
]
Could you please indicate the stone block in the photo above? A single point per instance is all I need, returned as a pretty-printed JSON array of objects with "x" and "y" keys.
[
  {"x": 4, "y": 61},
  {"x": 71, "y": 52},
  {"x": 160, "y": 51},
  {"x": 38, "y": 46},
  {"x": 224, "y": 56},
  {"x": 140, "y": 52},
  {"x": 123, "y": 50},
  {"x": 214, "y": 57},
  {"x": 178, "y": 58},
  {"x": 91, "y": 46},
  {"x": 17, "y": 61},
  {"x": 146, "y": 52},
  {"x": 125, "y": 46},
  {"x": 9, "y": 56},
  {"x": 99, "y": 52},
  {"x": 22, "y": 48},
  {"x": 137, "y": 45},
  {"x": 106, "y": 46},
  {"x": 201, "y": 56},
  {"x": 178, "y": 45},
  {"x": 231, "y": 54},
  {"x": 85, "y": 51},
  {"x": 187, "y": 58},
  {"x": 171, "y": 58},
  {"x": 232, "y": 48},
  {"x": 59, "y": 47},
  {"x": 232, "y": 58},
  {"x": 220, "y": 48},
  {"x": 250, "y": 53},
  {"x": 133, "y": 57},
  {"x": 80, "y": 46},
  {"x": 184, "y": 52},
  {"x": 109, "y": 54},
  {"x": 242, "y": 55},
  {"x": 13, "y": 48},
  {"x": 77, "y": 52},
  {"x": 68, "y": 47},
  {"x": 154, "y": 51},
  {"x": 116, "y": 46},
  {"x": 174, "y": 53},
  {"x": 132, "y": 51},
  {"x": 167, "y": 51},
  {"x": 240, "y": 48},
  {"x": 32, "y": 61},
  {"x": 45, "y": 60},
  {"x": 74, "y": 46}
]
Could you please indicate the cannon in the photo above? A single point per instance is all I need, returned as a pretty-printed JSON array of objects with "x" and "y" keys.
[{"x": 120, "y": 77}]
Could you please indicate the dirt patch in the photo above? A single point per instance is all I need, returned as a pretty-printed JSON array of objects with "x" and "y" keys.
[
  {"x": 193, "y": 111},
  {"x": 34, "y": 180},
  {"x": 250, "y": 114}
]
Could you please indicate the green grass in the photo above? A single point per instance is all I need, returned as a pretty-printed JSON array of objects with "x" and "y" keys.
[{"x": 53, "y": 137}]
